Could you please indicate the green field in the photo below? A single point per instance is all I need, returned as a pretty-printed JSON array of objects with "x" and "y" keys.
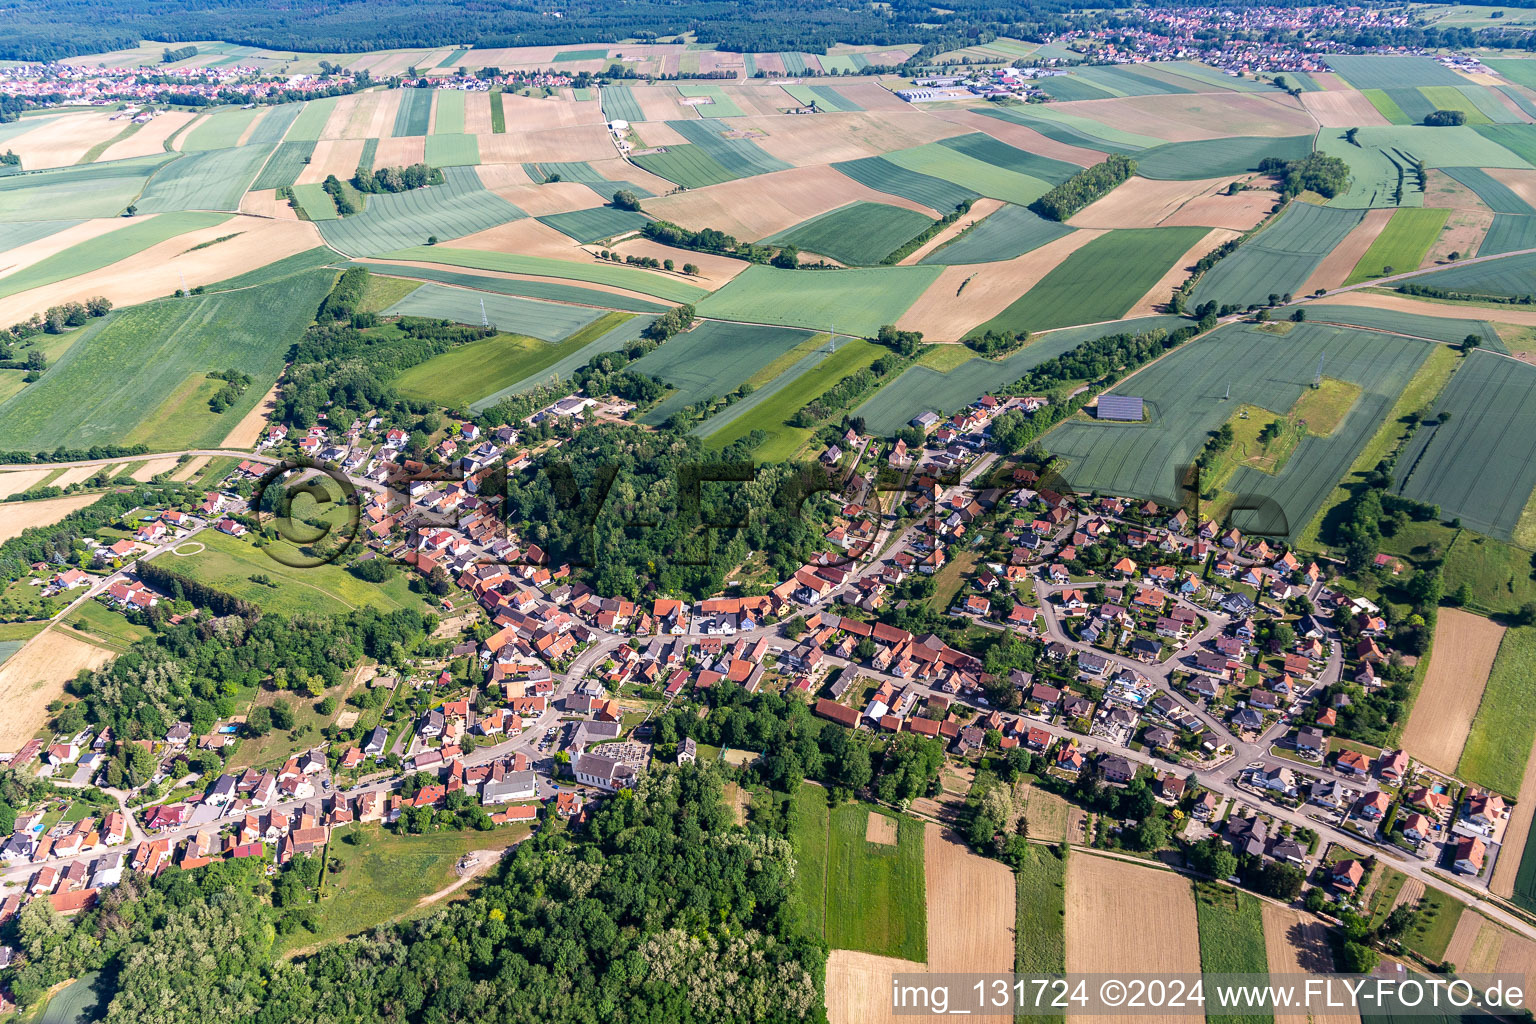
[
  {"x": 1386, "y": 106},
  {"x": 610, "y": 340},
  {"x": 124, "y": 242},
  {"x": 875, "y": 893},
  {"x": 810, "y": 837},
  {"x": 946, "y": 163},
  {"x": 1101, "y": 281},
  {"x": 284, "y": 165},
  {"x": 1383, "y": 72},
  {"x": 1008, "y": 232},
  {"x": 219, "y": 131},
  {"x": 1480, "y": 466},
  {"x": 941, "y": 390},
  {"x": 450, "y": 114},
  {"x": 687, "y": 165},
  {"x": 769, "y": 407},
  {"x": 1231, "y": 941},
  {"x": 461, "y": 206},
  {"x": 1508, "y": 276},
  {"x": 1496, "y": 195},
  {"x": 551, "y": 290},
  {"x": 712, "y": 360},
  {"x": 1040, "y": 943},
  {"x": 228, "y": 563},
  {"x": 126, "y": 366},
  {"x": 1438, "y": 915},
  {"x": 316, "y": 202},
  {"x": 1499, "y": 743},
  {"x": 498, "y": 114},
  {"x": 824, "y": 97},
  {"x": 662, "y": 286},
  {"x": 983, "y": 147},
  {"x": 415, "y": 113},
  {"x": 597, "y": 224},
  {"x": 1072, "y": 129},
  {"x": 1508, "y": 233},
  {"x": 1210, "y": 158},
  {"x": 385, "y": 877},
  {"x": 596, "y": 53},
  {"x": 619, "y": 104},
  {"x": 1525, "y": 881},
  {"x": 79, "y": 1002},
  {"x": 740, "y": 156},
  {"x": 859, "y": 234},
  {"x": 1279, "y": 259},
  {"x": 311, "y": 120},
  {"x": 470, "y": 372},
  {"x": 1186, "y": 394},
  {"x": 1437, "y": 328},
  {"x": 547, "y": 321},
  {"x": 1449, "y": 97},
  {"x": 853, "y": 301},
  {"x": 1402, "y": 244},
  {"x": 719, "y": 105},
  {"x": 884, "y": 175},
  {"x": 215, "y": 180},
  {"x": 105, "y": 627},
  {"x": 452, "y": 150}
]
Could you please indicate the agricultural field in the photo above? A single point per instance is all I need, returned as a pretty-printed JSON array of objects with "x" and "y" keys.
[
  {"x": 859, "y": 234},
  {"x": 461, "y": 206},
  {"x": 859, "y": 301},
  {"x": 596, "y": 224},
  {"x": 1402, "y": 245},
  {"x": 1231, "y": 939},
  {"x": 1009, "y": 232},
  {"x": 214, "y": 180},
  {"x": 415, "y": 113},
  {"x": 1504, "y": 729},
  {"x": 547, "y": 321},
  {"x": 1211, "y": 158},
  {"x": 105, "y": 250},
  {"x": 1188, "y": 395},
  {"x": 126, "y": 366},
  {"x": 1295, "y": 942},
  {"x": 884, "y": 175},
  {"x": 938, "y": 160},
  {"x": 1279, "y": 259},
  {"x": 1414, "y": 325},
  {"x": 1508, "y": 277},
  {"x": 611, "y": 339},
  {"x": 712, "y": 360},
  {"x": 468, "y": 373},
  {"x": 1101, "y": 281},
  {"x": 284, "y": 166},
  {"x": 661, "y": 286},
  {"x": 811, "y": 839},
  {"x": 532, "y": 289},
  {"x": 1459, "y": 664},
  {"x": 1479, "y": 465},
  {"x": 877, "y": 888},
  {"x": 34, "y": 676},
  {"x": 458, "y": 150}
]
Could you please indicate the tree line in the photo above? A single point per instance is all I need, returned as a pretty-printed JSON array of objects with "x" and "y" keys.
[{"x": 1084, "y": 187}]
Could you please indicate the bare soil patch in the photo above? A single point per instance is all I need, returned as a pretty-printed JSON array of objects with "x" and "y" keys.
[
  {"x": 1465, "y": 646},
  {"x": 1521, "y": 181},
  {"x": 1296, "y": 942},
  {"x": 35, "y": 676},
  {"x": 64, "y": 140},
  {"x": 1190, "y": 116},
  {"x": 192, "y": 467},
  {"x": 21, "y": 480},
  {"x": 525, "y": 114},
  {"x": 753, "y": 208},
  {"x": 253, "y": 424},
  {"x": 1334, "y": 270},
  {"x": 156, "y": 271},
  {"x": 149, "y": 139},
  {"x": 578, "y": 142},
  {"x": 266, "y": 204},
  {"x": 859, "y": 988},
  {"x": 1114, "y": 908},
  {"x": 526, "y": 236},
  {"x": 661, "y": 103},
  {"x": 970, "y": 908},
  {"x": 714, "y": 271},
  {"x": 550, "y": 197},
  {"x": 401, "y": 152},
  {"x": 23, "y": 515},
  {"x": 1342, "y": 109},
  {"x": 962, "y": 297},
  {"x": 654, "y": 134},
  {"x": 880, "y": 828},
  {"x": 1144, "y": 203},
  {"x": 824, "y": 138},
  {"x": 332, "y": 156},
  {"x": 154, "y": 467},
  {"x": 477, "y": 113},
  {"x": 1219, "y": 210}
]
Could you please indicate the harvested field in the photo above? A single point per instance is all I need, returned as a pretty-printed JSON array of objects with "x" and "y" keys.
[
  {"x": 1112, "y": 906},
  {"x": 192, "y": 467},
  {"x": 477, "y": 113},
  {"x": 826, "y": 138},
  {"x": 1342, "y": 109},
  {"x": 527, "y": 236},
  {"x": 1520, "y": 181},
  {"x": 154, "y": 272},
  {"x": 1517, "y": 831},
  {"x": 1157, "y": 296},
  {"x": 341, "y": 117},
  {"x": 154, "y": 467},
  {"x": 61, "y": 141},
  {"x": 859, "y": 987},
  {"x": 1144, "y": 203},
  {"x": 1336, "y": 266},
  {"x": 21, "y": 480},
  {"x": 580, "y": 142},
  {"x": 332, "y": 156},
  {"x": 1476, "y": 946},
  {"x": 754, "y": 208},
  {"x": 1218, "y": 210},
  {"x": 34, "y": 252},
  {"x": 75, "y": 475},
  {"x": 495, "y": 176},
  {"x": 1194, "y": 116},
  {"x": 401, "y": 152},
  {"x": 660, "y": 103},
  {"x": 714, "y": 270},
  {"x": 35, "y": 676},
  {"x": 1465, "y": 646},
  {"x": 23, "y": 515},
  {"x": 266, "y": 204},
  {"x": 970, "y": 908},
  {"x": 964, "y": 296},
  {"x": 149, "y": 140},
  {"x": 381, "y": 118},
  {"x": 882, "y": 830},
  {"x": 1296, "y": 943},
  {"x": 526, "y": 114},
  {"x": 550, "y": 198}
]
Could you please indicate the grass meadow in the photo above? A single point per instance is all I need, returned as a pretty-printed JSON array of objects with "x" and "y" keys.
[
  {"x": 1499, "y": 743},
  {"x": 875, "y": 893}
]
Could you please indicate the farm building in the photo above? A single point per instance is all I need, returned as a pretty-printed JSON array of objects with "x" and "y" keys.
[{"x": 1119, "y": 407}]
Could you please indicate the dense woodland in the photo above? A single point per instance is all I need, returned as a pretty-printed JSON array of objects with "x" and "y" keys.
[{"x": 663, "y": 910}]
